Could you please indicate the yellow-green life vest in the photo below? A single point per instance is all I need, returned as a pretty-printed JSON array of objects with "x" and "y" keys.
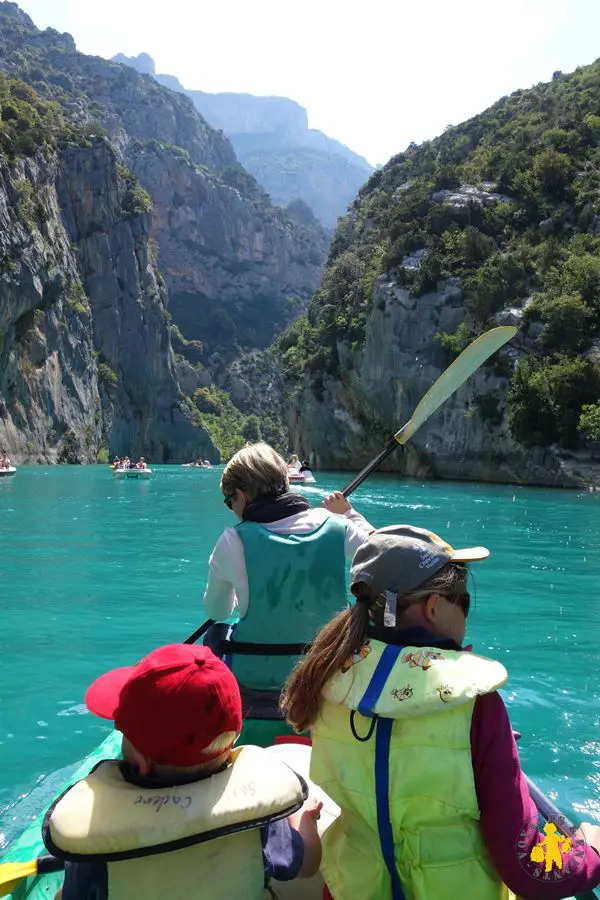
[
  {"x": 195, "y": 841},
  {"x": 409, "y": 826}
]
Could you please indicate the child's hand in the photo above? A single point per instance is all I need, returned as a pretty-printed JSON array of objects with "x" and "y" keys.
[
  {"x": 312, "y": 807},
  {"x": 305, "y": 821},
  {"x": 336, "y": 503}
]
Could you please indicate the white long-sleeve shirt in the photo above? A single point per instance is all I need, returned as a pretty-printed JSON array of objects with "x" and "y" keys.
[{"x": 227, "y": 593}]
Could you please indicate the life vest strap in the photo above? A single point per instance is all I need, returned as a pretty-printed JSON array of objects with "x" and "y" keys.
[{"x": 246, "y": 649}]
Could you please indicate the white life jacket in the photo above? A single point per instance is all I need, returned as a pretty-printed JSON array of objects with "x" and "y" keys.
[{"x": 197, "y": 840}]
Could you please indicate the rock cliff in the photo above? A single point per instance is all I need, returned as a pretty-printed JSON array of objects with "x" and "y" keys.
[
  {"x": 238, "y": 269},
  {"x": 344, "y": 421},
  {"x": 85, "y": 356},
  {"x": 497, "y": 220},
  {"x": 189, "y": 221},
  {"x": 272, "y": 140}
]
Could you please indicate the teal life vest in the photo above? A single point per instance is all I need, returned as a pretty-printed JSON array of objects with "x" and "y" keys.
[{"x": 296, "y": 584}]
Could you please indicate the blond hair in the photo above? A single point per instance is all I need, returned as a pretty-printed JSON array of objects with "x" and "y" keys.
[{"x": 258, "y": 471}]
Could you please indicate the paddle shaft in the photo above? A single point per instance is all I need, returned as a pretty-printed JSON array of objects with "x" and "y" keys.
[
  {"x": 465, "y": 364},
  {"x": 374, "y": 464},
  {"x": 199, "y": 632}
]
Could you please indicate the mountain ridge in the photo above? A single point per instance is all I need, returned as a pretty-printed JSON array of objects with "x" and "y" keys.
[
  {"x": 273, "y": 141},
  {"x": 190, "y": 263}
]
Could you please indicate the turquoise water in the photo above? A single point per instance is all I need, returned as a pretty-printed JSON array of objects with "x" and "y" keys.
[{"x": 95, "y": 572}]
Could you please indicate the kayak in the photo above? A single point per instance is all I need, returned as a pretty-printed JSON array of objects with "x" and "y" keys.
[
  {"x": 293, "y": 751},
  {"x": 290, "y": 749},
  {"x": 133, "y": 473},
  {"x": 4, "y": 473}
]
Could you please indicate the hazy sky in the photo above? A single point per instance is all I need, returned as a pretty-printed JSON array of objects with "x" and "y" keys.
[{"x": 376, "y": 74}]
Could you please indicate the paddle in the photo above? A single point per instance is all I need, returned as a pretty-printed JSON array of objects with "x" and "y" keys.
[
  {"x": 13, "y": 872},
  {"x": 447, "y": 384}
]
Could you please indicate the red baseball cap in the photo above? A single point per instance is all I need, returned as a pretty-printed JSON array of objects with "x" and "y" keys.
[{"x": 172, "y": 705}]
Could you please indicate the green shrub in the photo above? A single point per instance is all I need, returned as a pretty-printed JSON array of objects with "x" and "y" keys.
[
  {"x": 546, "y": 400},
  {"x": 500, "y": 281},
  {"x": 25, "y": 204},
  {"x": 551, "y": 171},
  {"x": 77, "y": 299},
  {"x": 589, "y": 421},
  {"x": 457, "y": 342},
  {"x": 108, "y": 379},
  {"x": 251, "y": 429},
  {"x": 103, "y": 456},
  {"x": 136, "y": 201},
  {"x": 568, "y": 323}
]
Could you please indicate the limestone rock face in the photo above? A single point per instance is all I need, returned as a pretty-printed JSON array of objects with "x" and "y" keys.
[
  {"x": 272, "y": 140},
  {"x": 91, "y": 256},
  {"x": 230, "y": 261},
  {"x": 85, "y": 354},
  {"x": 352, "y": 417}
]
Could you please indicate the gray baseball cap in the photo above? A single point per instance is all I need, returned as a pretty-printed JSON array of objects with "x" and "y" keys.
[{"x": 400, "y": 558}]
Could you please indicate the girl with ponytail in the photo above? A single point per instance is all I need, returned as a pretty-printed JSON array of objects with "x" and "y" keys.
[{"x": 412, "y": 741}]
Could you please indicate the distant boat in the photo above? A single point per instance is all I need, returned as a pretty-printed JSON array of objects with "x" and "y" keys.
[
  {"x": 305, "y": 477},
  {"x": 133, "y": 473},
  {"x": 4, "y": 473}
]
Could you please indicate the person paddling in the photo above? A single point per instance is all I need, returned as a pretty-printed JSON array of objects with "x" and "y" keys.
[
  {"x": 412, "y": 740},
  {"x": 279, "y": 575},
  {"x": 182, "y": 816}
]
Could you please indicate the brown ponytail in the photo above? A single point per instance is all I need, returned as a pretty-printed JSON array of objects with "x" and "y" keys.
[
  {"x": 334, "y": 644},
  {"x": 344, "y": 635}
]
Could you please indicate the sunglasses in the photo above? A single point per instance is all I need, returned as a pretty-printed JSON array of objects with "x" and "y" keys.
[
  {"x": 228, "y": 501},
  {"x": 462, "y": 600}
]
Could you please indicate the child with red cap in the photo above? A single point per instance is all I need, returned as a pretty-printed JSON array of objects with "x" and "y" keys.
[{"x": 183, "y": 815}]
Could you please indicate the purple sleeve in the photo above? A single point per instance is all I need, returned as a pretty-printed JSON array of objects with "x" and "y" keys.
[
  {"x": 283, "y": 851},
  {"x": 508, "y": 814}
]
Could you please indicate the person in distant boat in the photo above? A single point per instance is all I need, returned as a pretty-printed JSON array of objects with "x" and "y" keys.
[
  {"x": 294, "y": 463},
  {"x": 306, "y": 470},
  {"x": 142, "y": 463},
  {"x": 277, "y": 576},
  {"x": 412, "y": 740},
  {"x": 4, "y": 460},
  {"x": 179, "y": 710}
]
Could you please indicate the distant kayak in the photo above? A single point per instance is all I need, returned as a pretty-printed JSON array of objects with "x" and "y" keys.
[
  {"x": 4, "y": 473},
  {"x": 133, "y": 473}
]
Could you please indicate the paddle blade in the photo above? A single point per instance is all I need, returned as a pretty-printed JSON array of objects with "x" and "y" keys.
[
  {"x": 455, "y": 375},
  {"x": 12, "y": 873}
]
